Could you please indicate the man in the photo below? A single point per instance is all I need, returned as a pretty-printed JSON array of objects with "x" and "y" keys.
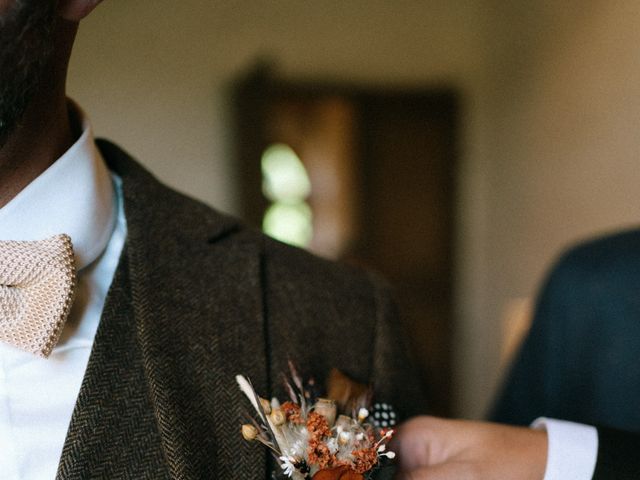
[
  {"x": 172, "y": 299},
  {"x": 578, "y": 363}
]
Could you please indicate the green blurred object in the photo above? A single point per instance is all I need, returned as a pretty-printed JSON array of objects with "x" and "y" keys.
[
  {"x": 284, "y": 177},
  {"x": 286, "y": 184},
  {"x": 289, "y": 223}
]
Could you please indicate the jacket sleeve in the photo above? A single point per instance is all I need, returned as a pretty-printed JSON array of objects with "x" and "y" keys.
[
  {"x": 537, "y": 382},
  {"x": 523, "y": 398},
  {"x": 618, "y": 457}
]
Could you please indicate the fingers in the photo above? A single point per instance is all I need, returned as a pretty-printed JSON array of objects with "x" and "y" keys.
[
  {"x": 449, "y": 471},
  {"x": 437, "y": 449},
  {"x": 412, "y": 452},
  {"x": 414, "y": 443},
  {"x": 427, "y": 441}
]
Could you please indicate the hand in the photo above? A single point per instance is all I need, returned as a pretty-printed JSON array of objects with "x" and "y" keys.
[{"x": 435, "y": 449}]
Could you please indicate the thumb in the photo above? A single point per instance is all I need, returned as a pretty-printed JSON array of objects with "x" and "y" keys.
[{"x": 443, "y": 471}]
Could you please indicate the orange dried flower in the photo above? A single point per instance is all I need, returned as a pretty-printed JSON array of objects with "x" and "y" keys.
[
  {"x": 292, "y": 412},
  {"x": 317, "y": 426},
  {"x": 371, "y": 436},
  {"x": 319, "y": 454},
  {"x": 364, "y": 459}
]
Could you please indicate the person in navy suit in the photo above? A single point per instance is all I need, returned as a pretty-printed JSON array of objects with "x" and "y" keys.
[{"x": 579, "y": 363}]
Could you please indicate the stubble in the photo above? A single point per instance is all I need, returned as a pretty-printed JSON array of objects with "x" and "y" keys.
[{"x": 26, "y": 47}]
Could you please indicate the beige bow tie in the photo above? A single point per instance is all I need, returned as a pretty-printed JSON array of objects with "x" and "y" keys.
[{"x": 37, "y": 281}]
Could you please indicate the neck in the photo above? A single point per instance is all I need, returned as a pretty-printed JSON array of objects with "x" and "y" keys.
[{"x": 45, "y": 131}]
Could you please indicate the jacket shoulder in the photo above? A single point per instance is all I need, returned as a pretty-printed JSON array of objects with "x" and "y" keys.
[
  {"x": 602, "y": 272},
  {"x": 180, "y": 216},
  {"x": 601, "y": 257},
  {"x": 315, "y": 273}
]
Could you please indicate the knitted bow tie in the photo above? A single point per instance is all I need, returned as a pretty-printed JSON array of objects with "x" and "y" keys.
[{"x": 37, "y": 282}]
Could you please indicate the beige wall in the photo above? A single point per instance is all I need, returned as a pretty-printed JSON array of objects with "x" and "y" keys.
[
  {"x": 565, "y": 146},
  {"x": 548, "y": 143},
  {"x": 154, "y": 74}
]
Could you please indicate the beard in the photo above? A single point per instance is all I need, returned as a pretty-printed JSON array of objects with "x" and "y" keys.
[{"x": 26, "y": 47}]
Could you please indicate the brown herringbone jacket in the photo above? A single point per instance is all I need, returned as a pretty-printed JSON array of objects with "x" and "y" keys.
[{"x": 198, "y": 298}]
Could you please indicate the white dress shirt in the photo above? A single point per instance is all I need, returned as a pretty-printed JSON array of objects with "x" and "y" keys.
[
  {"x": 572, "y": 451},
  {"x": 78, "y": 196}
]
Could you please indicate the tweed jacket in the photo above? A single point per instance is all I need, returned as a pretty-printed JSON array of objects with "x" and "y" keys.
[{"x": 198, "y": 298}]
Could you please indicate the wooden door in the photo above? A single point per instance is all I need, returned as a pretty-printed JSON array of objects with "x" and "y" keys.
[{"x": 382, "y": 170}]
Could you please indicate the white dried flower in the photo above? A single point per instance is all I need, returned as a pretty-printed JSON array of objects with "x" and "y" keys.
[
  {"x": 287, "y": 465},
  {"x": 363, "y": 413},
  {"x": 332, "y": 444},
  {"x": 344, "y": 438},
  {"x": 296, "y": 450}
]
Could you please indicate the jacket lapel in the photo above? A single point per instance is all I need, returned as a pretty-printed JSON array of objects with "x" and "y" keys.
[
  {"x": 195, "y": 321},
  {"x": 112, "y": 431}
]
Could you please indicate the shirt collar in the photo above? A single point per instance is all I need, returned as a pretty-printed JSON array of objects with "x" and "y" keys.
[{"x": 75, "y": 196}]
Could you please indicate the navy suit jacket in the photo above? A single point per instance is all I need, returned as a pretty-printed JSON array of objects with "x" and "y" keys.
[{"x": 581, "y": 359}]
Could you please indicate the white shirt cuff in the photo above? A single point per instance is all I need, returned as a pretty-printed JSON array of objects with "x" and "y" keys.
[{"x": 573, "y": 449}]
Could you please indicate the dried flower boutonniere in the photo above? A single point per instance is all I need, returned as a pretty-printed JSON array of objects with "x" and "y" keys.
[{"x": 342, "y": 436}]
